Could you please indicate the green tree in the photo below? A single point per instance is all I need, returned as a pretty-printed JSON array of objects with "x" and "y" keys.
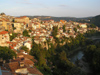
[
  {"x": 78, "y": 26},
  {"x": 75, "y": 29},
  {"x": 13, "y": 36},
  {"x": 64, "y": 30},
  {"x": 96, "y": 60},
  {"x": 41, "y": 60},
  {"x": 62, "y": 56},
  {"x": 54, "y": 32},
  {"x": 24, "y": 48},
  {"x": 93, "y": 26},
  {"x": 35, "y": 50},
  {"x": 89, "y": 52},
  {"x": 6, "y": 53},
  {"x": 25, "y": 33}
]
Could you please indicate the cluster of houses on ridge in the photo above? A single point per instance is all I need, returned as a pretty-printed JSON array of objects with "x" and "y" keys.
[{"x": 40, "y": 30}]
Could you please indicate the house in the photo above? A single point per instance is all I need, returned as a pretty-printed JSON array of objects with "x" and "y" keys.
[
  {"x": 22, "y": 66},
  {"x": 19, "y": 27},
  {"x": 83, "y": 25},
  {"x": 5, "y": 23},
  {"x": 22, "y": 19},
  {"x": 20, "y": 41},
  {"x": 28, "y": 45},
  {"x": 4, "y": 37},
  {"x": 63, "y": 21},
  {"x": 2, "y": 28}
]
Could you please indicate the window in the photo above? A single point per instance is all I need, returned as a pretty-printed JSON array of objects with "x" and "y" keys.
[{"x": 8, "y": 23}]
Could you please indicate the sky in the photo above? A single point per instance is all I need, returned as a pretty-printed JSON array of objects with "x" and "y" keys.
[{"x": 57, "y": 8}]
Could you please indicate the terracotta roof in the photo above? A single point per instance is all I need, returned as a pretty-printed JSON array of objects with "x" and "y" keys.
[
  {"x": 21, "y": 17},
  {"x": 6, "y": 73},
  {"x": 27, "y": 56},
  {"x": 13, "y": 66},
  {"x": 3, "y": 32},
  {"x": 0, "y": 20},
  {"x": 5, "y": 19},
  {"x": 34, "y": 71},
  {"x": 3, "y": 68},
  {"x": 11, "y": 47},
  {"x": 28, "y": 62}
]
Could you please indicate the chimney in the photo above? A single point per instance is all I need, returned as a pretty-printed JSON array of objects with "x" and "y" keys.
[{"x": 21, "y": 64}]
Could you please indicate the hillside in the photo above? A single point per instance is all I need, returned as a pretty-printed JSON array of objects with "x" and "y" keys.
[
  {"x": 58, "y": 18},
  {"x": 96, "y": 20}
]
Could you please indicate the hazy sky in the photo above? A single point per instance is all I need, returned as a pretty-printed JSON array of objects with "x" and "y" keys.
[{"x": 58, "y": 8}]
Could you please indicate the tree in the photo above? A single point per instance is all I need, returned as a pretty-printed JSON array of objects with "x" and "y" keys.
[
  {"x": 78, "y": 26},
  {"x": 13, "y": 36},
  {"x": 96, "y": 60},
  {"x": 93, "y": 26},
  {"x": 75, "y": 29},
  {"x": 54, "y": 32},
  {"x": 41, "y": 60},
  {"x": 89, "y": 52},
  {"x": 64, "y": 30},
  {"x": 6, "y": 53},
  {"x": 35, "y": 50},
  {"x": 25, "y": 33},
  {"x": 24, "y": 48},
  {"x": 3, "y": 13},
  {"x": 62, "y": 56}
]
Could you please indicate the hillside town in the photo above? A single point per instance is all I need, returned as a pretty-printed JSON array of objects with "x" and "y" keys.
[{"x": 13, "y": 35}]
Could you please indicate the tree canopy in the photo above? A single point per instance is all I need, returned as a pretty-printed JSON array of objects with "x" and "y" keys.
[
  {"x": 54, "y": 32},
  {"x": 24, "y": 48},
  {"x": 25, "y": 33},
  {"x": 6, "y": 53}
]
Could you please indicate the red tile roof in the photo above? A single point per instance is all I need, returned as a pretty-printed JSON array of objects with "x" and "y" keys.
[
  {"x": 3, "y": 32},
  {"x": 1, "y": 20},
  {"x": 34, "y": 71}
]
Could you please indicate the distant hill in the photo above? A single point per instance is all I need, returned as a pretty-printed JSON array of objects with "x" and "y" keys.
[
  {"x": 58, "y": 18},
  {"x": 96, "y": 20}
]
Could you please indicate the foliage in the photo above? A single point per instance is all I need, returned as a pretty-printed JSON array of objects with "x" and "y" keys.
[
  {"x": 92, "y": 55},
  {"x": 78, "y": 26},
  {"x": 13, "y": 36},
  {"x": 13, "y": 20},
  {"x": 92, "y": 26},
  {"x": 75, "y": 29},
  {"x": 14, "y": 28},
  {"x": 92, "y": 33},
  {"x": 64, "y": 30},
  {"x": 96, "y": 20},
  {"x": 6, "y": 53},
  {"x": 30, "y": 30},
  {"x": 25, "y": 33},
  {"x": 24, "y": 48},
  {"x": 3, "y": 13},
  {"x": 54, "y": 61},
  {"x": 54, "y": 32}
]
